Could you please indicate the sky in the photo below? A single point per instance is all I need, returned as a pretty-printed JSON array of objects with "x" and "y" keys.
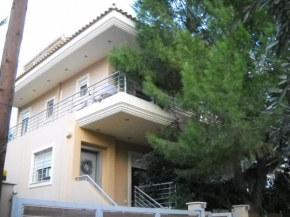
[{"x": 46, "y": 20}]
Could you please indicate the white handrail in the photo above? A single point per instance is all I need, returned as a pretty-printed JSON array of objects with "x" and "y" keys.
[
  {"x": 164, "y": 183},
  {"x": 147, "y": 196},
  {"x": 98, "y": 187}
]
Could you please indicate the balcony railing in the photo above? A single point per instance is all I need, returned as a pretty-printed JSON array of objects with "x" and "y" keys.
[
  {"x": 155, "y": 195},
  {"x": 96, "y": 93}
]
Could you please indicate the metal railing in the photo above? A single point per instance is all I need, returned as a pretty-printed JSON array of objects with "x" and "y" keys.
[
  {"x": 96, "y": 93},
  {"x": 160, "y": 193},
  {"x": 34, "y": 207},
  {"x": 144, "y": 200},
  {"x": 88, "y": 178}
]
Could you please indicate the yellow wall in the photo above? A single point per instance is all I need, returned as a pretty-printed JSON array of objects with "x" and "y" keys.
[
  {"x": 104, "y": 142},
  {"x": 64, "y": 187},
  {"x": 122, "y": 170},
  {"x": 114, "y": 161}
]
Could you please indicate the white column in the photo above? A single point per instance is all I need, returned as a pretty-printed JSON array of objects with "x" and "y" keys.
[
  {"x": 197, "y": 206},
  {"x": 241, "y": 210}
]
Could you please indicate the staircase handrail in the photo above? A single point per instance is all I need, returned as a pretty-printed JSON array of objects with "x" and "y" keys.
[
  {"x": 88, "y": 178},
  {"x": 147, "y": 196}
]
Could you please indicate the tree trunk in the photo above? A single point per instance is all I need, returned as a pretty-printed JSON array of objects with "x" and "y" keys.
[
  {"x": 253, "y": 198},
  {"x": 240, "y": 183},
  {"x": 259, "y": 186},
  {"x": 8, "y": 72}
]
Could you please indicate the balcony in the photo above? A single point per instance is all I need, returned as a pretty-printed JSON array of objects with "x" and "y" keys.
[{"x": 113, "y": 106}]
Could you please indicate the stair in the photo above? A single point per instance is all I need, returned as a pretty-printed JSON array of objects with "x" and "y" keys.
[{"x": 154, "y": 196}]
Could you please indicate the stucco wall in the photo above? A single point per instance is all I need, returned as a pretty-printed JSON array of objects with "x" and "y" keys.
[
  {"x": 107, "y": 145},
  {"x": 122, "y": 169},
  {"x": 97, "y": 71},
  {"x": 38, "y": 104},
  {"x": 64, "y": 187},
  {"x": 19, "y": 157},
  {"x": 115, "y": 160},
  {"x": 6, "y": 195}
]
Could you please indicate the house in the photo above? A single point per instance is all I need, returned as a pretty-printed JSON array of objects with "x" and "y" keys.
[{"x": 81, "y": 125}]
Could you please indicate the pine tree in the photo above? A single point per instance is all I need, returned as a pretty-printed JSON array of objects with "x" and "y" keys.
[{"x": 186, "y": 50}]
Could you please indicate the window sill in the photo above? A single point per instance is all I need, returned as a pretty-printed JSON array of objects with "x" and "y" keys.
[{"x": 40, "y": 184}]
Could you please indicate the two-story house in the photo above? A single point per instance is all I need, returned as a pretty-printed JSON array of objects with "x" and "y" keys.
[{"x": 77, "y": 117}]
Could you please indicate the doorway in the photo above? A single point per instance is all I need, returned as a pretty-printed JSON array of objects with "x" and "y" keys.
[
  {"x": 135, "y": 171},
  {"x": 90, "y": 163},
  {"x": 137, "y": 180}
]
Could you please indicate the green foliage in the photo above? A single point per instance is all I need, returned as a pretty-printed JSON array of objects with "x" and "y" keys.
[
  {"x": 186, "y": 50},
  {"x": 279, "y": 10},
  {"x": 277, "y": 197},
  {"x": 218, "y": 193}
]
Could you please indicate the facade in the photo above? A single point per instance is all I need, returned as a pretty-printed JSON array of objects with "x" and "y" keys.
[{"x": 77, "y": 117}]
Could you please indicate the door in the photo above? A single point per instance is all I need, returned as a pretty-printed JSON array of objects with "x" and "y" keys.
[
  {"x": 137, "y": 180},
  {"x": 89, "y": 164}
]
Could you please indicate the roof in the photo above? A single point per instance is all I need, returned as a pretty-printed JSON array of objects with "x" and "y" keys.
[{"x": 66, "y": 40}]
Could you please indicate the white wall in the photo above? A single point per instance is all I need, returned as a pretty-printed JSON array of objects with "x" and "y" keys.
[{"x": 19, "y": 157}]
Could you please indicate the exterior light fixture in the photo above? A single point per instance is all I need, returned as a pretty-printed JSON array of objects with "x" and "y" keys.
[{"x": 109, "y": 41}]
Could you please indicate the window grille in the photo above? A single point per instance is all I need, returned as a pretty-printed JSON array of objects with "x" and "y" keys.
[
  {"x": 24, "y": 127},
  {"x": 42, "y": 166},
  {"x": 24, "y": 123},
  {"x": 83, "y": 85},
  {"x": 49, "y": 106}
]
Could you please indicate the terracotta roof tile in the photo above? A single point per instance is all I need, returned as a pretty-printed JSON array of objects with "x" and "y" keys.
[{"x": 67, "y": 39}]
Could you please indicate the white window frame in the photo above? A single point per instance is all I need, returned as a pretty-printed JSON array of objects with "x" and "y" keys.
[
  {"x": 45, "y": 106},
  {"x": 22, "y": 113},
  {"x": 35, "y": 185},
  {"x": 81, "y": 79}
]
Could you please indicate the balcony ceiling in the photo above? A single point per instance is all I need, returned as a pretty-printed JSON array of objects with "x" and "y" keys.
[
  {"x": 126, "y": 127},
  {"x": 49, "y": 74},
  {"x": 124, "y": 116}
]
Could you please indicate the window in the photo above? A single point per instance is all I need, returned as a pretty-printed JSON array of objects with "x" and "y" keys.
[
  {"x": 82, "y": 85},
  {"x": 83, "y": 89},
  {"x": 25, "y": 122},
  {"x": 49, "y": 107},
  {"x": 42, "y": 166}
]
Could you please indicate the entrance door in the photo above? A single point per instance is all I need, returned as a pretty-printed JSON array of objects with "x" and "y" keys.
[
  {"x": 137, "y": 180},
  {"x": 89, "y": 164}
]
